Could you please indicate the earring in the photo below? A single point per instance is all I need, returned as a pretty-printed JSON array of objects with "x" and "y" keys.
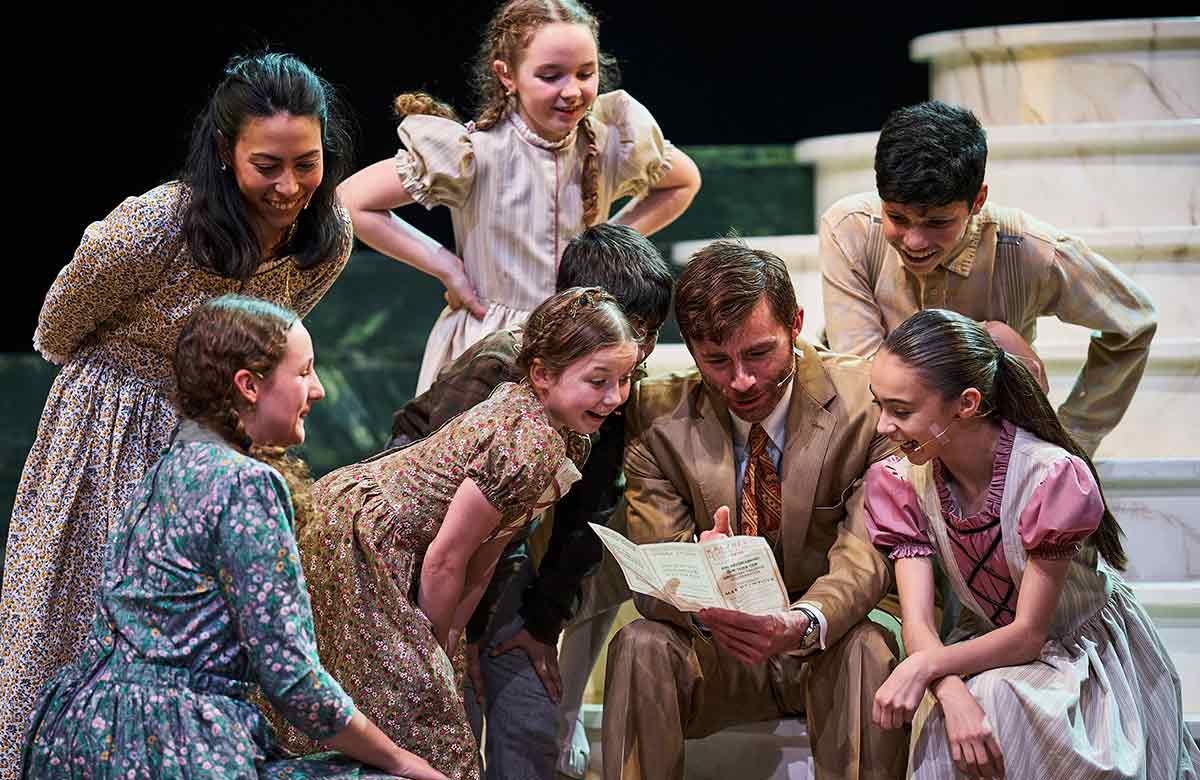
[{"x": 222, "y": 165}]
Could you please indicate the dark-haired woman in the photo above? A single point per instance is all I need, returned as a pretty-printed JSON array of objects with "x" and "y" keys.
[
  {"x": 203, "y": 599},
  {"x": 1066, "y": 675},
  {"x": 255, "y": 212}
]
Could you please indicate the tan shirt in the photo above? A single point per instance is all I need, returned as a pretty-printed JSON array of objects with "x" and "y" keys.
[{"x": 1009, "y": 267}]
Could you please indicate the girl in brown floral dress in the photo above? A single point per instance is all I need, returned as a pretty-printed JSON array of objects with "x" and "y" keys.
[
  {"x": 256, "y": 212},
  {"x": 402, "y": 545}
]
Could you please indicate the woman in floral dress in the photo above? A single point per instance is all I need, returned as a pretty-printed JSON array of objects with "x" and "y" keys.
[
  {"x": 256, "y": 213},
  {"x": 402, "y": 545},
  {"x": 203, "y": 595},
  {"x": 1066, "y": 676}
]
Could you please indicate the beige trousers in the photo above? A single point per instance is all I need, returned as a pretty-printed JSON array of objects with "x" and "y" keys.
[{"x": 665, "y": 684}]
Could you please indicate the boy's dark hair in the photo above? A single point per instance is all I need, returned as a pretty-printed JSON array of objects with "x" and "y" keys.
[
  {"x": 930, "y": 154},
  {"x": 622, "y": 261}
]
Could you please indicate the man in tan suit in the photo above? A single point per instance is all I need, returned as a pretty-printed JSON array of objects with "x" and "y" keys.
[{"x": 769, "y": 436}]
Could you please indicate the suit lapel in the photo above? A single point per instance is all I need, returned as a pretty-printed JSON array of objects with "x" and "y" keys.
[
  {"x": 710, "y": 450},
  {"x": 810, "y": 427}
]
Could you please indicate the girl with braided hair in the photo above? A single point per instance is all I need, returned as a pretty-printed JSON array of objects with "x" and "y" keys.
[
  {"x": 544, "y": 159},
  {"x": 203, "y": 599},
  {"x": 402, "y": 545},
  {"x": 1066, "y": 675},
  {"x": 255, "y": 212}
]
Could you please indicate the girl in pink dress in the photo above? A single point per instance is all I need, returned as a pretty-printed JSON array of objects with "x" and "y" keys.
[
  {"x": 544, "y": 159},
  {"x": 1065, "y": 675}
]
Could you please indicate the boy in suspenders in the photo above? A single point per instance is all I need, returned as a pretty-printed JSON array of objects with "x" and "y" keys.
[{"x": 929, "y": 239}]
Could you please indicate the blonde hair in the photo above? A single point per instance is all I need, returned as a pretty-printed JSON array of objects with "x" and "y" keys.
[{"x": 505, "y": 38}]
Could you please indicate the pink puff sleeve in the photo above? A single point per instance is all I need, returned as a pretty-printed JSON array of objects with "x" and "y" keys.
[
  {"x": 1063, "y": 511},
  {"x": 894, "y": 517}
]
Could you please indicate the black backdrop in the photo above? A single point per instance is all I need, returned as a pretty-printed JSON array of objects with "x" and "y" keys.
[{"x": 101, "y": 98}]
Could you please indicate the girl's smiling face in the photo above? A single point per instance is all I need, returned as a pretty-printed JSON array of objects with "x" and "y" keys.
[
  {"x": 583, "y": 394},
  {"x": 556, "y": 78},
  {"x": 284, "y": 397},
  {"x": 912, "y": 414}
]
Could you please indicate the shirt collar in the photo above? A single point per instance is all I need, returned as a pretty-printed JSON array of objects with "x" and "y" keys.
[
  {"x": 775, "y": 425},
  {"x": 962, "y": 258}
]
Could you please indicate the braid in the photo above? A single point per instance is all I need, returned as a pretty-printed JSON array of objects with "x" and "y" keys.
[
  {"x": 296, "y": 475},
  {"x": 590, "y": 177},
  {"x": 422, "y": 103},
  {"x": 570, "y": 325},
  {"x": 1019, "y": 399}
]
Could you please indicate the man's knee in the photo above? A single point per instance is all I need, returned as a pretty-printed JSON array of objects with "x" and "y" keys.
[{"x": 649, "y": 644}]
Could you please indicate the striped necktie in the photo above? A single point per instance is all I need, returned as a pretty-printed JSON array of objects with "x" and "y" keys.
[{"x": 762, "y": 497}]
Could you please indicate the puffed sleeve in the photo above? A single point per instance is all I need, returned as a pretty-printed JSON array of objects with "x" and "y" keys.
[
  {"x": 1064, "y": 510},
  {"x": 316, "y": 281},
  {"x": 437, "y": 164},
  {"x": 120, "y": 258},
  {"x": 894, "y": 517},
  {"x": 514, "y": 464},
  {"x": 264, "y": 585},
  {"x": 636, "y": 154}
]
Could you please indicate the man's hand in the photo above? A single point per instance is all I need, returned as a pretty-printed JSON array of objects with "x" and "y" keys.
[
  {"x": 752, "y": 639},
  {"x": 720, "y": 528},
  {"x": 474, "y": 674},
  {"x": 544, "y": 658}
]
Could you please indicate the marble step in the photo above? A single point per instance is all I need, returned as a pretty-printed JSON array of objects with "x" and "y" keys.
[
  {"x": 1095, "y": 174},
  {"x": 1068, "y": 72}
]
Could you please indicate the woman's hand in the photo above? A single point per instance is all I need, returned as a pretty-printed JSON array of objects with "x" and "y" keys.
[
  {"x": 459, "y": 290},
  {"x": 973, "y": 746},
  {"x": 898, "y": 698}
]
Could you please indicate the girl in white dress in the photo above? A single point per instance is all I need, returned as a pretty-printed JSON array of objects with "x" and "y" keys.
[
  {"x": 1065, "y": 676},
  {"x": 544, "y": 159}
]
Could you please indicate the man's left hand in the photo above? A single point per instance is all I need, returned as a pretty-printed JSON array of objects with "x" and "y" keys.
[{"x": 752, "y": 639}]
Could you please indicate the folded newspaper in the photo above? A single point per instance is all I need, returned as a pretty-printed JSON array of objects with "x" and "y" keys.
[{"x": 736, "y": 572}]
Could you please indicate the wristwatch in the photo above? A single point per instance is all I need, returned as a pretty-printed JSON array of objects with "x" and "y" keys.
[{"x": 809, "y": 640}]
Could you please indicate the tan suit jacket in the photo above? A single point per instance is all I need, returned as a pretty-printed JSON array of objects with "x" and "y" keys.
[{"x": 679, "y": 467}]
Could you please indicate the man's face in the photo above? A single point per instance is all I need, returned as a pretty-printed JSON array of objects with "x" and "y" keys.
[
  {"x": 924, "y": 237},
  {"x": 750, "y": 368}
]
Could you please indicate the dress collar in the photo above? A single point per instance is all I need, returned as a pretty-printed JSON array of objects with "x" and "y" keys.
[
  {"x": 190, "y": 430},
  {"x": 530, "y": 136}
]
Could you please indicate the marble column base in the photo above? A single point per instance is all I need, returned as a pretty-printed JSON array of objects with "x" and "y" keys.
[{"x": 1099, "y": 71}]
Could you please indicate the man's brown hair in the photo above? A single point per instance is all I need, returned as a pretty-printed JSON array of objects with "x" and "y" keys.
[{"x": 723, "y": 283}]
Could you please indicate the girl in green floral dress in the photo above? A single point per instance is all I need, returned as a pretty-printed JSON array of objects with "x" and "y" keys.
[{"x": 202, "y": 599}]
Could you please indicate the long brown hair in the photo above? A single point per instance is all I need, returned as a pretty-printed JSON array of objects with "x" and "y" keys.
[
  {"x": 951, "y": 352},
  {"x": 220, "y": 338},
  {"x": 573, "y": 324},
  {"x": 505, "y": 38}
]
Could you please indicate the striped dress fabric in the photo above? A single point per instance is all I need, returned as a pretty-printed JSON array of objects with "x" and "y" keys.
[
  {"x": 516, "y": 200},
  {"x": 1102, "y": 701}
]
